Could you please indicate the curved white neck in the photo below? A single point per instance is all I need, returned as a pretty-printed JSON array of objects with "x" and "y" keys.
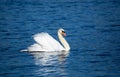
[{"x": 64, "y": 42}]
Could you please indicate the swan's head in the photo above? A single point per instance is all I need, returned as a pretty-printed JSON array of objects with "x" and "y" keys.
[{"x": 62, "y": 32}]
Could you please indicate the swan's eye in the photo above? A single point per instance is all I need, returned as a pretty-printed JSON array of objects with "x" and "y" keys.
[{"x": 63, "y": 31}]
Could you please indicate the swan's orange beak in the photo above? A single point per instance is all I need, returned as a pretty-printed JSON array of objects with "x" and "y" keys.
[{"x": 63, "y": 33}]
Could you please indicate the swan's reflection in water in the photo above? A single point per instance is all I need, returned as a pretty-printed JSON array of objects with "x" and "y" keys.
[{"x": 51, "y": 63}]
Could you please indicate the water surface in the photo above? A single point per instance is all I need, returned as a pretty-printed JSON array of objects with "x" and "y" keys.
[{"x": 93, "y": 32}]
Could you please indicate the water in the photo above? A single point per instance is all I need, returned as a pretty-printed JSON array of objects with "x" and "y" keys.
[{"x": 93, "y": 32}]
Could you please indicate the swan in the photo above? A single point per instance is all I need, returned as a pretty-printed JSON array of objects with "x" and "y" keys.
[{"x": 45, "y": 42}]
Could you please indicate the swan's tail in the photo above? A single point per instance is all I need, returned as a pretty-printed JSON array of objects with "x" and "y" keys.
[{"x": 24, "y": 50}]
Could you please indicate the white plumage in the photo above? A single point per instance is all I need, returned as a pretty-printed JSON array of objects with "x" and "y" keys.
[{"x": 45, "y": 42}]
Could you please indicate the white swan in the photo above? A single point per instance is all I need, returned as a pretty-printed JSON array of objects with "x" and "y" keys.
[{"x": 45, "y": 42}]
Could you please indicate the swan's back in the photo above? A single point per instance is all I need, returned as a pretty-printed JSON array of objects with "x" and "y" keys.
[{"x": 46, "y": 43}]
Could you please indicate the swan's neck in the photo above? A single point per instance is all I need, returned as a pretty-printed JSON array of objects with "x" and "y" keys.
[{"x": 64, "y": 42}]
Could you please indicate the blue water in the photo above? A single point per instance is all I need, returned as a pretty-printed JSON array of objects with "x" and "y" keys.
[{"x": 93, "y": 32}]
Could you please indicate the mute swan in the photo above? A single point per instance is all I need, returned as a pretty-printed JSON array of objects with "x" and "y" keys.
[{"x": 45, "y": 42}]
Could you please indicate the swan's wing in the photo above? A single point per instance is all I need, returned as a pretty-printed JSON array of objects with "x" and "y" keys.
[
  {"x": 35, "y": 47},
  {"x": 47, "y": 42}
]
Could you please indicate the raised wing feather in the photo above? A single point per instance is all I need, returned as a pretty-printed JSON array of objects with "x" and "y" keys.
[{"x": 47, "y": 42}]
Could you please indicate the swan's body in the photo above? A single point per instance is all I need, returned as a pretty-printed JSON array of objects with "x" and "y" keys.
[{"x": 45, "y": 42}]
